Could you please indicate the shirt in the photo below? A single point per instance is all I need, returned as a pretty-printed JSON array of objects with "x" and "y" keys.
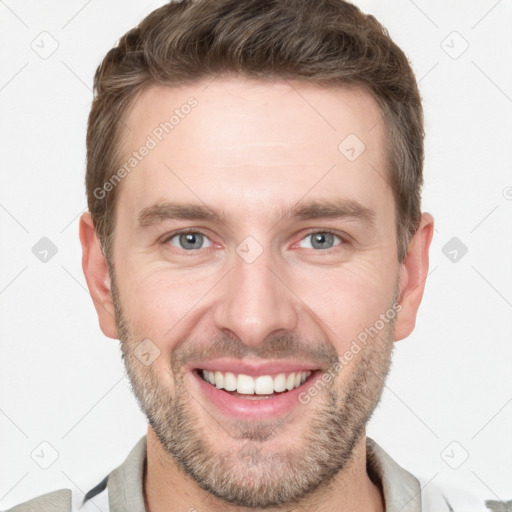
[{"x": 122, "y": 490}]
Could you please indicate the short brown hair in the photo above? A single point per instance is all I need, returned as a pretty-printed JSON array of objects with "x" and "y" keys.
[{"x": 327, "y": 42}]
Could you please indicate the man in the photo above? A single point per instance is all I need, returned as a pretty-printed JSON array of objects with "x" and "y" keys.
[{"x": 283, "y": 141}]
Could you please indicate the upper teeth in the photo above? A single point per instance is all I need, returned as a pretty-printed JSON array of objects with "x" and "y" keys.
[{"x": 261, "y": 385}]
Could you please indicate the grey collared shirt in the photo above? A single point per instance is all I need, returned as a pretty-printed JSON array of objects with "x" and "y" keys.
[{"x": 122, "y": 489}]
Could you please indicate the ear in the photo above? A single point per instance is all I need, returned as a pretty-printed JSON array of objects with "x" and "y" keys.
[
  {"x": 413, "y": 274},
  {"x": 95, "y": 267}
]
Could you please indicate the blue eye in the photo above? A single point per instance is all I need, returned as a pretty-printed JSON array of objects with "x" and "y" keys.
[
  {"x": 321, "y": 240},
  {"x": 195, "y": 240},
  {"x": 189, "y": 240}
]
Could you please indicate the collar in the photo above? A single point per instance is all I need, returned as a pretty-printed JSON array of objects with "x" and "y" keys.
[
  {"x": 402, "y": 492},
  {"x": 125, "y": 483}
]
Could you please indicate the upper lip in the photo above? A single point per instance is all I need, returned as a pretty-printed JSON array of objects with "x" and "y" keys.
[{"x": 254, "y": 368}]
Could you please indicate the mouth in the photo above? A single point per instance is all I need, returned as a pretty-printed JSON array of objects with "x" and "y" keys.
[
  {"x": 258, "y": 387},
  {"x": 255, "y": 395}
]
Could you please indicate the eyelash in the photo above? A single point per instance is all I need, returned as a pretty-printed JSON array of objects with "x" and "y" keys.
[{"x": 343, "y": 238}]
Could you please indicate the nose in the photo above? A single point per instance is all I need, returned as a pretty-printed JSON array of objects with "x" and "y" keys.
[{"x": 255, "y": 301}]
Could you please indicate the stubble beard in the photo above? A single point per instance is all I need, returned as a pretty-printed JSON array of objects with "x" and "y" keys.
[{"x": 251, "y": 475}]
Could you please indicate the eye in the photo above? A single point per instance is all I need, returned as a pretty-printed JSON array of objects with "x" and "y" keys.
[
  {"x": 321, "y": 240},
  {"x": 188, "y": 240}
]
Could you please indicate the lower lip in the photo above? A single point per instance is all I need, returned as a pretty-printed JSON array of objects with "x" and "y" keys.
[{"x": 245, "y": 408}]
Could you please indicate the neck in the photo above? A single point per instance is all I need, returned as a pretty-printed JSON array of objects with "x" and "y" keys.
[{"x": 167, "y": 488}]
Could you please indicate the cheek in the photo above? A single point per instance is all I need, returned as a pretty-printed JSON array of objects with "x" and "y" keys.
[
  {"x": 158, "y": 302},
  {"x": 347, "y": 299}
]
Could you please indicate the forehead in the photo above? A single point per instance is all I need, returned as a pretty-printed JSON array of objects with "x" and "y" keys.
[{"x": 256, "y": 142}]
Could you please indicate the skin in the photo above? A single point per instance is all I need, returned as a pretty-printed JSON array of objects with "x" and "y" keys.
[{"x": 254, "y": 150}]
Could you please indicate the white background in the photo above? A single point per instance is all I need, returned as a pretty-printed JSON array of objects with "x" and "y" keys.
[{"x": 62, "y": 381}]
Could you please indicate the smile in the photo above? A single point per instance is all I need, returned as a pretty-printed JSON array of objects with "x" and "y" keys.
[
  {"x": 261, "y": 395},
  {"x": 242, "y": 384}
]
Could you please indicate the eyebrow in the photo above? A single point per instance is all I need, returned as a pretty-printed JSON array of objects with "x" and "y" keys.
[{"x": 312, "y": 210}]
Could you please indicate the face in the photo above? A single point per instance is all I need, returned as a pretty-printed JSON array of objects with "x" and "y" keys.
[{"x": 255, "y": 246}]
